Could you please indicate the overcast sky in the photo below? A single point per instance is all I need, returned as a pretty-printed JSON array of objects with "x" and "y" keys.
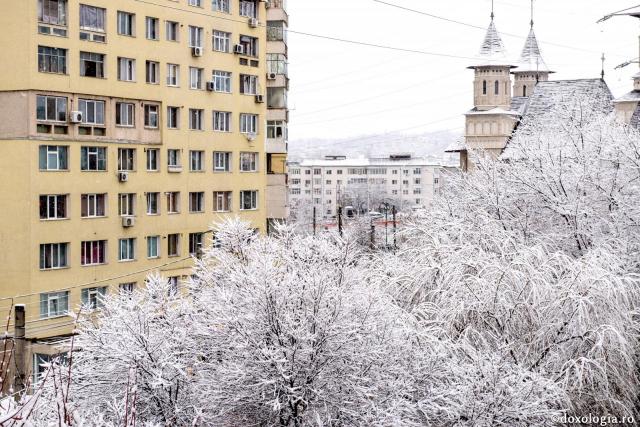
[{"x": 343, "y": 90}]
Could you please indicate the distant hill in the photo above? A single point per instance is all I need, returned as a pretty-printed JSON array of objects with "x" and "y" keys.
[{"x": 431, "y": 145}]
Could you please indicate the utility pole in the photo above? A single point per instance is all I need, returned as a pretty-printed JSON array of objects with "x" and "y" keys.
[
  {"x": 340, "y": 220},
  {"x": 395, "y": 227},
  {"x": 373, "y": 238},
  {"x": 314, "y": 220},
  {"x": 19, "y": 353}
]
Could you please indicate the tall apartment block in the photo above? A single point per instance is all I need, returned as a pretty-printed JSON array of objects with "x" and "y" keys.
[
  {"x": 277, "y": 111},
  {"x": 127, "y": 128}
]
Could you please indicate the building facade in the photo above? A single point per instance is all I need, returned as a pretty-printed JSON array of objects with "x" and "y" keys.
[
  {"x": 361, "y": 184},
  {"x": 127, "y": 128},
  {"x": 277, "y": 112}
]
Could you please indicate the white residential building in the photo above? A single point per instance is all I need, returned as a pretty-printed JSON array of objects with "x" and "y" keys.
[{"x": 362, "y": 184}]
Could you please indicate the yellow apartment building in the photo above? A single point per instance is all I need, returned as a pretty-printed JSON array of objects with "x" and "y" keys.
[{"x": 127, "y": 127}]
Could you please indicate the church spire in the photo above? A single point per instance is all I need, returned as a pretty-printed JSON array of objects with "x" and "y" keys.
[
  {"x": 492, "y": 51},
  {"x": 531, "y": 58}
]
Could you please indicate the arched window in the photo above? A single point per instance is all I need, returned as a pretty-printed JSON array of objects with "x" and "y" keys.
[
  {"x": 524, "y": 90},
  {"x": 497, "y": 88},
  {"x": 484, "y": 87}
]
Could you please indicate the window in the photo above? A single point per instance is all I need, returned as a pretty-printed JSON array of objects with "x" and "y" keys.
[
  {"x": 248, "y": 8},
  {"x": 93, "y": 205},
  {"x": 93, "y": 253},
  {"x": 196, "y": 202},
  {"x": 173, "y": 202},
  {"x": 195, "y": 36},
  {"x": 195, "y": 119},
  {"x": 484, "y": 87},
  {"x": 248, "y": 200},
  {"x": 53, "y": 256},
  {"x": 127, "y": 251},
  {"x": 126, "y": 23},
  {"x": 152, "y": 73},
  {"x": 524, "y": 90},
  {"x": 54, "y": 304},
  {"x": 126, "y": 204},
  {"x": 196, "y": 161},
  {"x": 52, "y": 60},
  {"x": 173, "y": 158},
  {"x": 222, "y": 81},
  {"x": 153, "y": 155},
  {"x": 497, "y": 87},
  {"x": 152, "y": 203},
  {"x": 317, "y": 171},
  {"x": 125, "y": 114},
  {"x": 93, "y": 158},
  {"x": 249, "y": 162},
  {"x": 173, "y": 244},
  {"x": 249, "y": 123},
  {"x": 277, "y": 62},
  {"x": 126, "y": 69},
  {"x": 221, "y": 41},
  {"x": 52, "y": 12},
  {"x": 222, "y": 201},
  {"x": 127, "y": 288},
  {"x": 151, "y": 26},
  {"x": 172, "y": 29},
  {"x": 276, "y": 129},
  {"x": 92, "y": 64},
  {"x": 222, "y": 121},
  {"x": 51, "y": 108},
  {"x": 195, "y": 244},
  {"x": 92, "y": 18},
  {"x": 250, "y": 45},
  {"x": 153, "y": 247},
  {"x": 92, "y": 111},
  {"x": 126, "y": 159},
  {"x": 92, "y": 297},
  {"x": 221, "y": 161},
  {"x": 417, "y": 171},
  {"x": 248, "y": 84},
  {"x": 221, "y": 6},
  {"x": 173, "y": 75},
  {"x": 53, "y": 157},
  {"x": 173, "y": 285},
  {"x": 295, "y": 191},
  {"x": 417, "y": 191},
  {"x": 417, "y": 181},
  {"x": 197, "y": 3},
  {"x": 195, "y": 78},
  {"x": 173, "y": 116},
  {"x": 151, "y": 116},
  {"x": 53, "y": 206}
]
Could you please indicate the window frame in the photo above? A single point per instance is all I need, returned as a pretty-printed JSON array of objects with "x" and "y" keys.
[
  {"x": 253, "y": 200},
  {"x": 93, "y": 202},
  {"x": 61, "y": 253},
  {"x": 127, "y": 248},
  {"x": 101, "y": 157},
  {"x": 55, "y": 210},
  {"x": 100, "y": 247}
]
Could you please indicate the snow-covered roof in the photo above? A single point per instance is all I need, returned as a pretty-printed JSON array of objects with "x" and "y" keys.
[
  {"x": 368, "y": 162},
  {"x": 633, "y": 96},
  {"x": 456, "y": 147},
  {"x": 491, "y": 112},
  {"x": 546, "y": 95},
  {"x": 531, "y": 58},
  {"x": 492, "y": 51},
  {"x": 519, "y": 104}
]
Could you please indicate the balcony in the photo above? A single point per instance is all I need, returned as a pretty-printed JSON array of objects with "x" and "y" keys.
[
  {"x": 277, "y": 199},
  {"x": 276, "y": 145},
  {"x": 277, "y": 11},
  {"x": 276, "y": 31}
]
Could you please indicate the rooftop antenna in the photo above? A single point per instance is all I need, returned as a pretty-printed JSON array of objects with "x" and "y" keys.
[{"x": 603, "y": 59}]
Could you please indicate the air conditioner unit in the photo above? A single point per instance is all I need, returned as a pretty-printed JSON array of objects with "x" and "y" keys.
[
  {"x": 75, "y": 117},
  {"x": 251, "y": 137},
  {"x": 239, "y": 49},
  {"x": 211, "y": 86},
  {"x": 253, "y": 22},
  {"x": 128, "y": 221},
  {"x": 123, "y": 176},
  {"x": 259, "y": 99},
  {"x": 267, "y": 4},
  {"x": 196, "y": 51},
  {"x": 271, "y": 76}
]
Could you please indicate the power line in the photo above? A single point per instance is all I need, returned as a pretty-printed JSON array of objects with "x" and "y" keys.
[{"x": 453, "y": 21}]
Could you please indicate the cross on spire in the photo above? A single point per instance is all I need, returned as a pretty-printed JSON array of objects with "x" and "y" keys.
[{"x": 531, "y": 13}]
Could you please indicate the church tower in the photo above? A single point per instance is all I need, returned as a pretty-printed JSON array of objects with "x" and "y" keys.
[
  {"x": 490, "y": 123},
  {"x": 531, "y": 67}
]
